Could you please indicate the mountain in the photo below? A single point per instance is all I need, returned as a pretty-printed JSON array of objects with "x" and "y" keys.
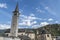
[
  {"x": 2, "y": 32},
  {"x": 54, "y": 29}
]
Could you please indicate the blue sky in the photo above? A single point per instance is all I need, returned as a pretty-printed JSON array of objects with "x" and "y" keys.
[{"x": 33, "y": 13}]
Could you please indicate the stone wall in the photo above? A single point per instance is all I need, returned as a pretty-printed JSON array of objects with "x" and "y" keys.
[
  {"x": 8, "y": 38},
  {"x": 1, "y": 38}
]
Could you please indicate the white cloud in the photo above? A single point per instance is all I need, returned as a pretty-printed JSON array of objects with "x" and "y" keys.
[
  {"x": 44, "y": 23},
  {"x": 32, "y": 15},
  {"x": 31, "y": 20},
  {"x": 20, "y": 11},
  {"x": 23, "y": 23},
  {"x": 56, "y": 21},
  {"x": 34, "y": 22},
  {"x": 41, "y": 24},
  {"x": 28, "y": 20},
  {"x": 50, "y": 19},
  {"x": 39, "y": 10},
  {"x": 3, "y": 5},
  {"x": 46, "y": 8},
  {"x": 4, "y": 26},
  {"x": 35, "y": 26},
  {"x": 27, "y": 23}
]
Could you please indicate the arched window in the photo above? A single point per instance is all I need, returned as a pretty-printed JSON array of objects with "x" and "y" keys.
[{"x": 47, "y": 35}]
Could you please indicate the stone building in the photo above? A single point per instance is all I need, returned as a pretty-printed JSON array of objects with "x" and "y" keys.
[
  {"x": 44, "y": 35},
  {"x": 26, "y": 32},
  {"x": 34, "y": 34},
  {"x": 14, "y": 23}
]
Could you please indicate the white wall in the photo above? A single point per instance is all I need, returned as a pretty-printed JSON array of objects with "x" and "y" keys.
[
  {"x": 48, "y": 37},
  {"x": 31, "y": 35},
  {"x": 6, "y": 38},
  {"x": 1, "y": 38}
]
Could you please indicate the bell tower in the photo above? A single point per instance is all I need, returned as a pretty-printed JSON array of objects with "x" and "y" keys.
[{"x": 14, "y": 23}]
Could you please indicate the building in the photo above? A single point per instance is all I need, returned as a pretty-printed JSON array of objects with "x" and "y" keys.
[
  {"x": 14, "y": 23},
  {"x": 44, "y": 35},
  {"x": 23, "y": 32},
  {"x": 56, "y": 37}
]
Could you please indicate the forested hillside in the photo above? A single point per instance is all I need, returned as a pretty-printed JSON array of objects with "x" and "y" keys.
[{"x": 54, "y": 29}]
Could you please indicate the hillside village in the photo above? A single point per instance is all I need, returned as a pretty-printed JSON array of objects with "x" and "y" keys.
[
  {"x": 47, "y": 32},
  {"x": 53, "y": 29}
]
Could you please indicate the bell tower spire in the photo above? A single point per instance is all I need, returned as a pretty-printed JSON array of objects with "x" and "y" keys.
[
  {"x": 14, "y": 24},
  {"x": 17, "y": 9}
]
